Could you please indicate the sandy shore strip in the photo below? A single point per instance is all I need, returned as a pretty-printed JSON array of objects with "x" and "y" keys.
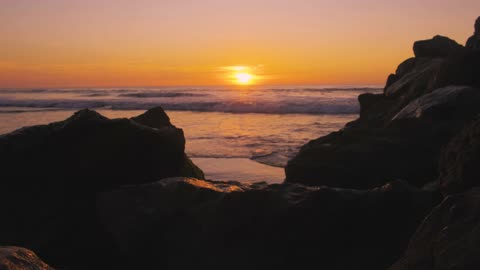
[{"x": 239, "y": 169}]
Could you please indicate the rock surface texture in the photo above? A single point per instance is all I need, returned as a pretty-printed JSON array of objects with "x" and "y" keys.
[
  {"x": 474, "y": 41},
  {"x": 51, "y": 175},
  {"x": 16, "y": 258},
  {"x": 400, "y": 133},
  {"x": 184, "y": 223},
  {"x": 92, "y": 148},
  {"x": 438, "y": 46},
  {"x": 460, "y": 160},
  {"x": 449, "y": 238}
]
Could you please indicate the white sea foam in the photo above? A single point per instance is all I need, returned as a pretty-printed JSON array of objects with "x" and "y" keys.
[{"x": 264, "y": 100}]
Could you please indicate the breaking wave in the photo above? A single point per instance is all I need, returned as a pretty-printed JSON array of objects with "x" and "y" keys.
[{"x": 268, "y": 101}]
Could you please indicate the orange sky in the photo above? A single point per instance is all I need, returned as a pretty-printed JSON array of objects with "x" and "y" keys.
[{"x": 113, "y": 43}]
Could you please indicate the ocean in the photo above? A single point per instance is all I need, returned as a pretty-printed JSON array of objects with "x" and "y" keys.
[{"x": 232, "y": 133}]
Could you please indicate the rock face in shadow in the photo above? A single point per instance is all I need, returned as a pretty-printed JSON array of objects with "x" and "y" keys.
[
  {"x": 180, "y": 223},
  {"x": 438, "y": 46},
  {"x": 91, "y": 147},
  {"x": 51, "y": 175},
  {"x": 451, "y": 102},
  {"x": 407, "y": 148},
  {"x": 449, "y": 238},
  {"x": 473, "y": 42},
  {"x": 154, "y": 118},
  {"x": 16, "y": 258},
  {"x": 400, "y": 133},
  {"x": 459, "y": 163},
  {"x": 461, "y": 68}
]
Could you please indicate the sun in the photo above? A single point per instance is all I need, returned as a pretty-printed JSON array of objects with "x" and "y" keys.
[{"x": 243, "y": 78}]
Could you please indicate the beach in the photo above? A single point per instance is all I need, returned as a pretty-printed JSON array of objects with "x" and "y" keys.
[{"x": 253, "y": 125}]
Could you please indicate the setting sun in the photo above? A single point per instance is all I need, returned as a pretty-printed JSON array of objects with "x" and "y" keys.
[{"x": 243, "y": 78}]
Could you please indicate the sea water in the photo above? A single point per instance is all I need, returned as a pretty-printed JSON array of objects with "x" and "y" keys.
[{"x": 231, "y": 132}]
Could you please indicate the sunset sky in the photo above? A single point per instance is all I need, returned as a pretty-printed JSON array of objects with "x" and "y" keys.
[{"x": 113, "y": 43}]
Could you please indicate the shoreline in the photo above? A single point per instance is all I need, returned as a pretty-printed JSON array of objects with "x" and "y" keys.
[{"x": 242, "y": 170}]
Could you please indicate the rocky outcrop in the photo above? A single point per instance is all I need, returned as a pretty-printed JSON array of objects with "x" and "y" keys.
[
  {"x": 438, "y": 46},
  {"x": 407, "y": 148},
  {"x": 449, "y": 238},
  {"x": 51, "y": 175},
  {"x": 181, "y": 223},
  {"x": 452, "y": 102},
  {"x": 473, "y": 43},
  {"x": 16, "y": 258},
  {"x": 93, "y": 148},
  {"x": 460, "y": 160},
  {"x": 418, "y": 80},
  {"x": 400, "y": 133},
  {"x": 154, "y": 118},
  {"x": 461, "y": 68}
]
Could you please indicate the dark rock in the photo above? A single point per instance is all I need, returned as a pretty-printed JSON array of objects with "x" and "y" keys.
[
  {"x": 459, "y": 163},
  {"x": 449, "y": 238},
  {"x": 408, "y": 148},
  {"x": 372, "y": 109},
  {"x": 399, "y": 135},
  {"x": 182, "y": 223},
  {"x": 461, "y": 68},
  {"x": 392, "y": 78},
  {"x": 16, "y": 258},
  {"x": 406, "y": 66},
  {"x": 367, "y": 101},
  {"x": 473, "y": 43},
  {"x": 418, "y": 81},
  {"x": 154, "y": 118},
  {"x": 51, "y": 175},
  {"x": 93, "y": 148},
  {"x": 363, "y": 158},
  {"x": 452, "y": 102},
  {"x": 438, "y": 46}
]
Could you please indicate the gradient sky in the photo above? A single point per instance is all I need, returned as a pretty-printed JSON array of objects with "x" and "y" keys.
[{"x": 108, "y": 43}]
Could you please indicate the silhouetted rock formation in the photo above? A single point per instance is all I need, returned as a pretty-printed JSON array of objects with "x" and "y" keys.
[
  {"x": 51, "y": 175},
  {"x": 88, "y": 193},
  {"x": 93, "y": 148},
  {"x": 400, "y": 133},
  {"x": 459, "y": 163},
  {"x": 154, "y": 118},
  {"x": 438, "y": 46},
  {"x": 183, "y": 223},
  {"x": 16, "y": 258},
  {"x": 473, "y": 42},
  {"x": 448, "y": 239},
  {"x": 461, "y": 68}
]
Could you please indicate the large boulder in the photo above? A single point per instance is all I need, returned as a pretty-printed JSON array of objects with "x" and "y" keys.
[
  {"x": 461, "y": 68},
  {"x": 414, "y": 77},
  {"x": 418, "y": 80},
  {"x": 93, "y": 148},
  {"x": 16, "y": 258},
  {"x": 452, "y": 102},
  {"x": 449, "y": 238},
  {"x": 473, "y": 43},
  {"x": 363, "y": 158},
  {"x": 184, "y": 223},
  {"x": 154, "y": 118},
  {"x": 400, "y": 133},
  {"x": 460, "y": 161},
  {"x": 438, "y": 46},
  {"x": 407, "y": 148},
  {"x": 51, "y": 175}
]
